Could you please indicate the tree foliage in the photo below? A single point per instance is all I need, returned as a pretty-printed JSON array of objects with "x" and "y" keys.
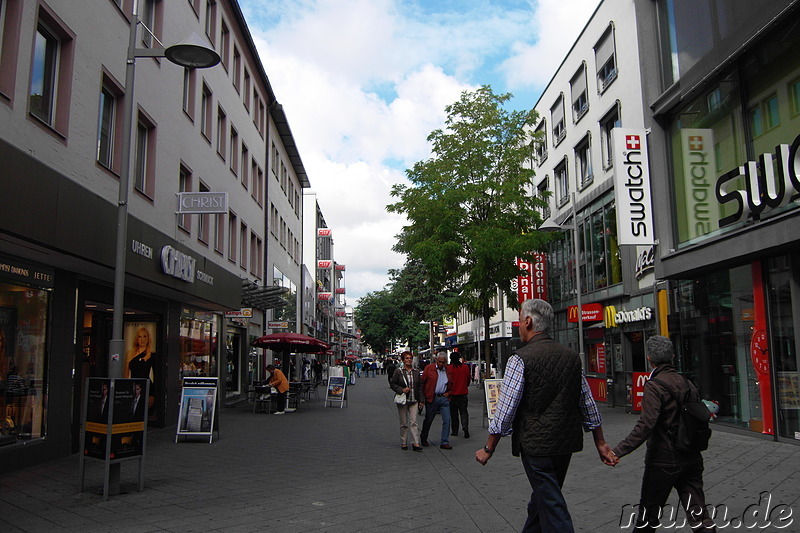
[{"x": 469, "y": 209}]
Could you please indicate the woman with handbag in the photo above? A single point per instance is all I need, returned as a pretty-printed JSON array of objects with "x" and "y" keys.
[{"x": 406, "y": 384}]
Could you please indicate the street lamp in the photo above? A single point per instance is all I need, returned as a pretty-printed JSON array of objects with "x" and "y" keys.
[
  {"x": 551, "y": 226},
  {"x": 192, "y": 53}
]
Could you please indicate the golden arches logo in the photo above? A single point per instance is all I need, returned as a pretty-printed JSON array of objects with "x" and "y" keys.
[
  {"x": 610, "y": 316},
  {"x": 602, "y": 390},
  {"x": 572, "y": 313}
]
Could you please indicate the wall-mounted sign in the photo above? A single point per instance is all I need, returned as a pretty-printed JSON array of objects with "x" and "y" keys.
[
  {"x": 178, "y": 264},
  {"x": 274, "y": 324},
  {"x": 613, "y": 318},
  {"x": 702, "y": 209},
  {"x": 141, "y": 249},
  {"x": 645, "y": 261},
  {"x": 325, "y": 296},
  {"x": 202, "y": 202},
  {"x": 591, "y": 313},
  {"x": 339, "y": 290},
  {"x": 339, "y": 267},
  {"x": 632, "y": 187},
  {"x": 324, "y": 263},
  {"x": 245, "y": 312},
  {"x": 323, "y": 232}
]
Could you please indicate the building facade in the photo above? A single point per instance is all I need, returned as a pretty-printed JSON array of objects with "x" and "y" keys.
[{"x": 62, "y": 99}]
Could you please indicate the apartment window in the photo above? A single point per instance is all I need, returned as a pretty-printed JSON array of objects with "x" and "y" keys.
[
  {"x": 206, "y": 105},
  {"x": 256, "y": 99},
  {"x": 147, "y": 17},
  {"x": 245, "y": 162},
  {"x": 189, "y": 90},
  {"x": 284, "y": 178},
  {"x": 261, "y": 116},
  {"x": 259, "y": 273},
  {"x": 297, "y": 204},
  {"x": 204, "y": 221},
  {"x": 219, "y": 234},
  {"x": 605, "y": 59},
  {"x": 144, "y": 164},
  {"x": 109, "y": 125},
  {"x": 540, "y": 142},
  {"x": 562, "y": 182},
  {"x": 43, "y": 77},
  {"x": 765, "y": 115},
  {"x": 222, "y": 128},
  {"x": 185, "y": 185},
  {"x": 273, "y": 219},
  {"x": 253, "y": 254},
  {"x": 543, "y": 194},
  {"x": 211, "y": 20},
  {"x": 10, "y": 21},
  {"x": 237, "y": 68},
  {"x": 580, "y": 103},
  {"x": 246, "y": 96},
  {"x": 243, "y": 246},
  {"x": 282, "y": 233},
  {"x": 607, "y": 124},
  {"x": 794, "y": 96},
  {"x": 225, "y": 44},
  {"x": 233, "y": 225},
  {"x": 234, "y": 151},
  {"x": 557, "y": 119},
  {"x": 274, "y": 160},
  {"x": 258, "y": 187},
  {"x": 583, "y": 162}
]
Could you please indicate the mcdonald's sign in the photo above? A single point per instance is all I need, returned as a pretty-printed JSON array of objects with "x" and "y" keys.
[
  {"x": 590, "y": 313},
  {"x": 599, "y": 388},
  {"x": 610, "y": 317}
]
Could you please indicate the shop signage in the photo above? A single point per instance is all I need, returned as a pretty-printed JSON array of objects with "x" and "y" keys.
[
  {"x": 591, "y": 313},
  {"x": 601, "y": 358},
  {"x": 141, "y": 249},
  {"x": 497, "y": 331},
  {"x": 637, "y": 391},
  {"x": 632, "y": 187},
  {"x": 178, "y": 264},
  {"x": 339, "y": 267},
  {"x": 26, "y": 273},
  {"x": 323, "y": 232},
  {"x": 763, "y": 189},
  {"x": 341, "y": 313},
  {"x": 339, "y": 290},
  {"x": 613, "y": 318},
  {"x": 532, "y": 281},
  {"x": 205, "y": 278},
  {"x": 702, "y": 210},
  {"x": 599, "y": 388},
  {"x": 245, "y": 312},
  {"x": 645, "y": 261},
  {"x": 324, "y": 263},
  {"x": 202, "y": 202},
  {"x": 274, "y": 324},
  {"x": 325, "y": 296}
]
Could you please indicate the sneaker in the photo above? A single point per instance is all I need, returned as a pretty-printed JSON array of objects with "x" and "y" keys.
[
  {"x": 279, "y": 413},
  {"x": 291, "y": 410}
]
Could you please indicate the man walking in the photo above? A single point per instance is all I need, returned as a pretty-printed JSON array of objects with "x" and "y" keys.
[
  {"x": 458, "y": 394},
  {"x": 436, "y": 380},
  {"x": 544, "y": 400},
  {"x": 664, "y": 466}
]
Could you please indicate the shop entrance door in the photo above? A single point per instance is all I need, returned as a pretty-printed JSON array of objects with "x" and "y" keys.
[{"x": 234, "y": 362}]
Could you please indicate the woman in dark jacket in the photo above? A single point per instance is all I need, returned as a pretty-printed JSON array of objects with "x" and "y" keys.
[{"x": 405, "y": 380}]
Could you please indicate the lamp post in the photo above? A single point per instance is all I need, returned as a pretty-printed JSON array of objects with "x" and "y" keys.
[
  {"x": 190, "y": 54},
  {"x": 550, "y": 226}
]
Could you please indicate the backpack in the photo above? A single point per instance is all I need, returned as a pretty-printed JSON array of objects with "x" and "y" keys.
[{"x": 693, "y": 432}]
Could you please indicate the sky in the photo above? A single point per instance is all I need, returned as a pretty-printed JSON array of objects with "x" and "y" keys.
[{"x": 363, "y": 83}]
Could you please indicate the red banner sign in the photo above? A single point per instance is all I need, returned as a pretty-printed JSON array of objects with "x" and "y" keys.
[
  {"x": 340, "y": 290},
  {"x": 325, "y": 296},
  {"x": 601, "y": 358},
  {"x": 324, "y": 263},
  {"x": 599, "y": 388},
  {"x": 323, "y": 232},
  {"x": 339, "y": 267},
  {"x": 637, "y": 390},
  {"x": 591, "y": 313}
]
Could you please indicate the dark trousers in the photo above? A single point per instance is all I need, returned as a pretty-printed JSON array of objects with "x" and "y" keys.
[
  {"x": 547, "y": 509},
  {"x": 658, "y": 482},
  {"x": 458, "y": 406},
  {"x": 280, "y": 401},
  {"x": 440, "y": 405}
]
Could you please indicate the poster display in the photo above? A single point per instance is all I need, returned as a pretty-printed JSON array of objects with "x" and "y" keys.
[
  {"x": 140, "y": 355},
  {"x": 336, "y": 390},
  {"x": 123, "y": 403},
  {"x": 198, "y": 407},
  {"x": 492, "y": 391}
]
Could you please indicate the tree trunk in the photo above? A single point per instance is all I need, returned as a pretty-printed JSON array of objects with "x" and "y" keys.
[{"x": 487, "y": 345}]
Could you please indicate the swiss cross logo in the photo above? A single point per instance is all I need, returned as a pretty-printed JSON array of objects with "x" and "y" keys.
[
  {"x": 695, "y": 143},
  {"x": 632, "y": 142}
]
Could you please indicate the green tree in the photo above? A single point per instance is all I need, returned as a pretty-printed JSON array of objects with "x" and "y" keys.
[
  {"x": 469, "y": 210},
  {"x": 375, "y": 315}
]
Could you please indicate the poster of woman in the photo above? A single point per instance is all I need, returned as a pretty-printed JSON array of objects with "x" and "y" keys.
[{"x": 140, "y": 355}]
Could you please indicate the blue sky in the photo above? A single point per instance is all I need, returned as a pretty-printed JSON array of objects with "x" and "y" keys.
[{"x": 363, "y": 83}]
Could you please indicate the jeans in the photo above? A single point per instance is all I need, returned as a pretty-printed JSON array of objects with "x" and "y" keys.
[
  {"x": 439, "y": 405},
  {"x": 458, "y": 406},
  {"x": 658, "y": 482},
  {"x": 547, "y": 509}
]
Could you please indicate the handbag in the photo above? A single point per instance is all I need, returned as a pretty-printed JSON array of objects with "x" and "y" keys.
[{"x": 400, "y": 398}]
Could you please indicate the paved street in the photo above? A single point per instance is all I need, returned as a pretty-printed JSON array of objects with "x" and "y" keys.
[{"x": 341, "y": 470}]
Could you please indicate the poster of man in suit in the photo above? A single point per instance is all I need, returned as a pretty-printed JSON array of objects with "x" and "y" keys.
[{"x": 123, "y": 403}]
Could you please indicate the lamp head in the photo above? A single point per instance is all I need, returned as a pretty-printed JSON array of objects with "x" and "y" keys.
[{"x": 192, "y": 53}]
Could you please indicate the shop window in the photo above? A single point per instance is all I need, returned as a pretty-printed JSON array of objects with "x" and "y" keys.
[
  {"x": 580, "y": 102},
  {"x": 51, "y": 72},
  {"x": 606, "y": 61},
  {"x": 557, "y": 120},
  {"x": 198, "y": 343},
  {"x": 607, "y": 124},
  {"x": 23, "y": 342}
]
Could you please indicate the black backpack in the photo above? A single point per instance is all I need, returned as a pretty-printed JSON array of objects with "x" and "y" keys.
[{"x": 693, "y": 432}]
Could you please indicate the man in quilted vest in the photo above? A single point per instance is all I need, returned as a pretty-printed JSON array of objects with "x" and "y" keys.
[{"x": 545, "y": 405}]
